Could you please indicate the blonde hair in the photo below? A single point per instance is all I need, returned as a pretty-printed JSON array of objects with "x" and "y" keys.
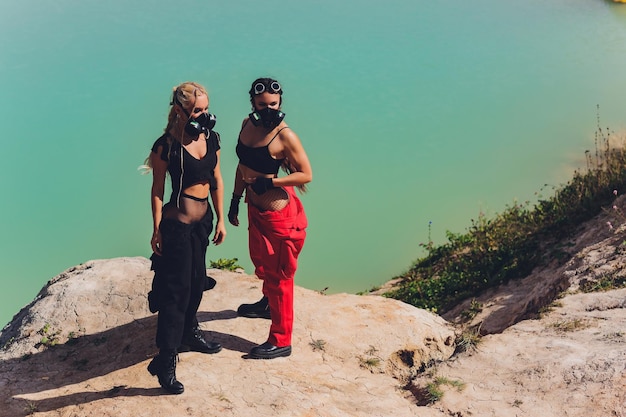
[{"x": 183, "y": 95}]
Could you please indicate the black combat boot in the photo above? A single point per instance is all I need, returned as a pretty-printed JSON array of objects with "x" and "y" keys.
[
  {"x": 163, "y": 366},
  {"x": 194, "y": 341},
  {"x": 260, "y": 309}
]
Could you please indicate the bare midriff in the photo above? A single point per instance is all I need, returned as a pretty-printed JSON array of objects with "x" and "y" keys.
[
  {"x": 200, "y": 190},
  {"x": 274, "y": 199}
]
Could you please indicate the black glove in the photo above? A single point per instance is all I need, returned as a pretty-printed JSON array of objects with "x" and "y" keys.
[
  {"x": 262, "y": 184},
  {"x": 233, "y": 210}
]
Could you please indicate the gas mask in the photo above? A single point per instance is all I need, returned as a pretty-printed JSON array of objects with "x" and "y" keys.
[
  {"x": 203, "y": 123},
  {"x": 196, "y": 125},
  {"x": 268, "y": 118}
]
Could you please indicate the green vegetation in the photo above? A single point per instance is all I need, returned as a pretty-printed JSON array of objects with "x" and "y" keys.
[
  {"x": 318, "y": 344},
  {"x": 371, "y": 361},
  {"x": 570, "y": 325},
  {"x": 474, "y": 309},
  {"x": 226, "y": 264},
  {"x": 433, "y": 391},
  {"x": 468, "y": 340},
  {"x": 48, "y": 337},
  {"x": 513, "y": 243},
  {"x": 605, "y": 283},
  {"x": 72, "y": 338},
  {"x": 30, "y": 408}
]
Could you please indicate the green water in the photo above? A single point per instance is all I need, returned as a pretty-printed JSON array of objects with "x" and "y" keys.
[{"x": 411, "y": 112}]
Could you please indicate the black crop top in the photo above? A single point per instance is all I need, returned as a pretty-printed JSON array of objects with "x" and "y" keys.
[
  {"x": 259, "y": 158},
  {"x": 193, "y": 170}
]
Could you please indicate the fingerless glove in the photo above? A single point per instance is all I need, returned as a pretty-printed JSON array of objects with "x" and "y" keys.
[{"x": 233, "y": 210}]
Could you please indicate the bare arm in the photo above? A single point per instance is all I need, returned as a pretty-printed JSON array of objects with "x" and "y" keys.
[
  {"x": 294, "y": 152},
  {"x": 217, "y": 197},
  {"x": 239, "y": 185}
]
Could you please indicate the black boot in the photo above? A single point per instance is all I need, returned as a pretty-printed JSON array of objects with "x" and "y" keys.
[
  {"x": 269, "y": 351},
  {"x": 193, "y": 340},
  {"x": 260, "y": 309},
  {"x": 163, "y": 366}
]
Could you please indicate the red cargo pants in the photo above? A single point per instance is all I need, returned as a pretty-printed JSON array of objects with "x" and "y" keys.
[{"x": 275, "y": 241}]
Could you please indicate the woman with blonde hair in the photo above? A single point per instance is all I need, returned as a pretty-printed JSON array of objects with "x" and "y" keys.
[
  {"x": 276, "y": 217},
  {"x": 189, "y": 150}
]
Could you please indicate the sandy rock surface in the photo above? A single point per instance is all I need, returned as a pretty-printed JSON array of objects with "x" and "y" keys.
[{"x": 82, "y": 347}]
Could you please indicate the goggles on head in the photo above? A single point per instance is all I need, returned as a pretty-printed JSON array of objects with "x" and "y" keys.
[{"x": 273, "y": 87}]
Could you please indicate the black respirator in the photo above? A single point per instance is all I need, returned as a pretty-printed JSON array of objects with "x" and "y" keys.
[
  {"x": 268, "y": 118},
  {"x": 196, "y": 125},
  {"x": 201, "y": 124}
]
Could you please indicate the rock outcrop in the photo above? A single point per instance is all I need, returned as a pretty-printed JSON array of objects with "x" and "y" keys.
[{"x": 82, "y": 346}]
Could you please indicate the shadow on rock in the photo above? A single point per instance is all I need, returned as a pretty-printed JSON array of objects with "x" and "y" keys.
[
  {"x": 91, "y": 356},
  {"x": 55, "y": 403}
]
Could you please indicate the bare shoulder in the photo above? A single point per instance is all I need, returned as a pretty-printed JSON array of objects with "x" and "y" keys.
[{"x": 288, "y": 136}]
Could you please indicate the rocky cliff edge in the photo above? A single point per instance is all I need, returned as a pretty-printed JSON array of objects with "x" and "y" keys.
[{"x": 547, "y": 349}]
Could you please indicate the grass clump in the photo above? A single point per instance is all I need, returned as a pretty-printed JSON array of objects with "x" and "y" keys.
[
  {"x": 30, "y": 408},
  {"x": 371, "y": 361},
  {"x": 468, "y": 340},
  {"x": 433, "y": 391},
  {"x": 318, "y": 344},
  {"x": 226, "y": 264},
  {"x": 514, "y": 242},
  {"x": 474, "y": 309},
  {"x": 570, "y": 325},
  {"x": 605, "y": 283},
  {"x": 49, "y": 338}
]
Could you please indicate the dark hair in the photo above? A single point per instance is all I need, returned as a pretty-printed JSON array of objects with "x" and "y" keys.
[{"x": 267, "y": 82}]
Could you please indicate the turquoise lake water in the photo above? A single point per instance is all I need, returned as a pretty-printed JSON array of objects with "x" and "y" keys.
[{"x": 412, "y": 113}]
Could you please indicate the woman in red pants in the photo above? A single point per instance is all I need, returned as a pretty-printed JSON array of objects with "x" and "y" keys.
[{"x": 276, "y": 218}]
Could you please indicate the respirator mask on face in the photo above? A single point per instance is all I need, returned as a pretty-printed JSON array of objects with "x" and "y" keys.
[
  {"x": 201, "y": 124},
  {"x": 196, "y": 125},
  {"x": 268, "y": 118}
]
